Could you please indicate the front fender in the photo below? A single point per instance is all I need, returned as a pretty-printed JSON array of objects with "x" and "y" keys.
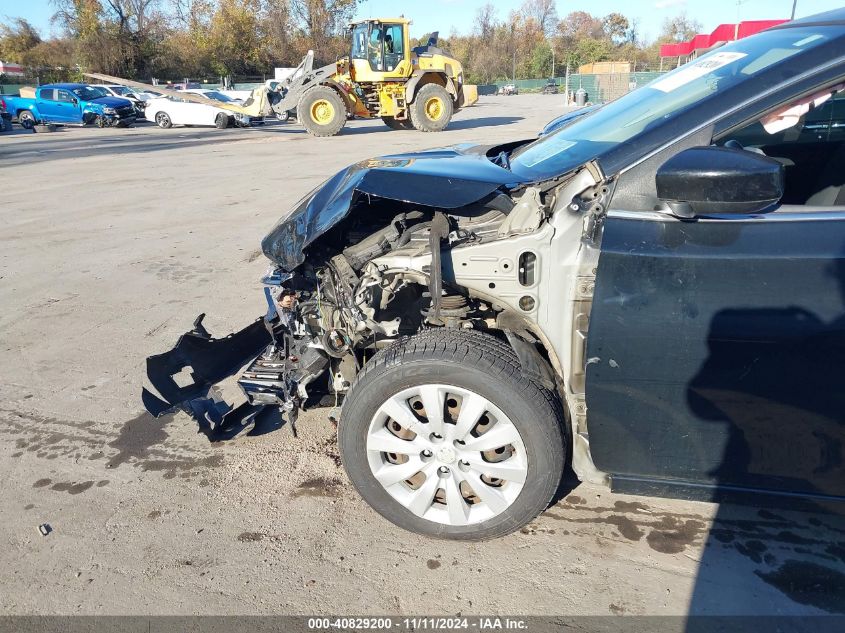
[
  {"x": 90, "y": 113},
  {"x": 413, "y": 84}
]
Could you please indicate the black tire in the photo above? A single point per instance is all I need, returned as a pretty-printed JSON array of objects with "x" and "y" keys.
[
  {"x": 221, "y": 121},
  {"x": 26, "y": 119},
  {"x": 163, "y": 120},
  {"x": 432, "y": 108},
  {"x": 397, "y": 124},
  {"x": 469, "y": 360},
  {"x": 322, "y": 111}
]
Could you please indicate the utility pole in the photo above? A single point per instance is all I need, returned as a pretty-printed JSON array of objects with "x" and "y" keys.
[
  {"x": 553, "y": 62},
  {"x": 566, "y": 82},
  {"x": 513, "y": 68},
  {"x": 739, "y": 3}
]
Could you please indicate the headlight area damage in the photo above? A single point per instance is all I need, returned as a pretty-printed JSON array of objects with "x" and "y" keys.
[{"x": 384, "y": 249}]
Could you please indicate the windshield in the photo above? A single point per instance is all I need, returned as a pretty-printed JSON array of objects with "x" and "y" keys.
[
  {"x": 86, "y": 93},
  {"x": 668, "y": 96},
  {"x": 219, "y": 96}
]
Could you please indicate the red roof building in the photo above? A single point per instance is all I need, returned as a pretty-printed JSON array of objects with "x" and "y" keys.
[
  {"x": 11, "y": 69},
  {"x": 721, "y": 34}
]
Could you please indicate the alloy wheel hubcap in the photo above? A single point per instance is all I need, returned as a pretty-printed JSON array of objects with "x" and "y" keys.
[{"x": 447, "y": 454}]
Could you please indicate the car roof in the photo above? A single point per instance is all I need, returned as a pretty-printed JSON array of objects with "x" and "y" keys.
[
  {"x": 834, "y": 17},
  {"x": 380, "y": 21},
  {"x": 65, "y": 86}
]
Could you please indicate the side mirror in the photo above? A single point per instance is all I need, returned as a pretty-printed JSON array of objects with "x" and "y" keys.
[
  {"x": 702, "y": 180},
  {"x": 75, "y": 101}
]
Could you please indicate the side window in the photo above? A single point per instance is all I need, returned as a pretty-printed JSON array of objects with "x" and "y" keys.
[
  {"x": 807, "y": 136},
  {"x": 813, "y": 127},
  {"x": 837, "y": 118},
  {"x": 47, "y": 94},
  {"x": 394, "y": 46},
  {"x": 64, "y": 96}
]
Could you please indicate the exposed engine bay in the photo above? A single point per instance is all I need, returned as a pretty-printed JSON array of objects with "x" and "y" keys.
[{"x": 517, "y": 263}]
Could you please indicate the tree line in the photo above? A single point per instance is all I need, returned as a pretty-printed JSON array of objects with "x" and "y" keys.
[{"x": 174, "y": 39}]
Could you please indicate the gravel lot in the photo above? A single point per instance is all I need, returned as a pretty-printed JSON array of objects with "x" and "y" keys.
[{"x": 112, "y": 242}]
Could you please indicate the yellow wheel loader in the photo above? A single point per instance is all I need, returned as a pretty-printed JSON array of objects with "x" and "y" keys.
[
  {"x": 384, "y": 77},
  {"x": 408, "y": 88}
]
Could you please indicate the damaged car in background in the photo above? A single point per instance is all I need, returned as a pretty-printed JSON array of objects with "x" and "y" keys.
[{"x": 636, "y": 294}]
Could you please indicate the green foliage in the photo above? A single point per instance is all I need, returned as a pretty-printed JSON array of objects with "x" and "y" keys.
[
  {"x": 16, "y": 39},
  {"x": 540, "y": 64}
]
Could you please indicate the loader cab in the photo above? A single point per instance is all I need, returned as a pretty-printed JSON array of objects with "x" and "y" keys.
[{"x": 381, "y": 50}]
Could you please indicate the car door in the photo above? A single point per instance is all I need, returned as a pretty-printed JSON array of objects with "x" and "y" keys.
[
  {"x": 717, "y": 346},
  {"x": 48, "y": 105},
  {"x": 68, "y": 106},
  {"x": 176, "y": 109}
]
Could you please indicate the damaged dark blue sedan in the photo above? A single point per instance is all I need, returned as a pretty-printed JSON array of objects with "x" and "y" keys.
[{"x": 653, "y": 294}]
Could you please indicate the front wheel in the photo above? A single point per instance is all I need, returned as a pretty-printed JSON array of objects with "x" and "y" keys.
[
  {"x": 442, "y": 435},
  {"x": 432, "y": 108},
  {"x": 26, "y": 119},
  {"x": 221, "y": 121},
  {"x": 163, "y": 120},
  {"x": 322, "y": 111}
]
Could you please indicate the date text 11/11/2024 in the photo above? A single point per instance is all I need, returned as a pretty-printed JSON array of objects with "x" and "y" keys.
[{"x": 479, "y": 623}]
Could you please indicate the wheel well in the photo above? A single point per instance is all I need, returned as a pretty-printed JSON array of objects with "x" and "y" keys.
[
  {"x": 340, "y": 93},
  {"x": 431, "y": 77},
  {"x": 537, "y": 362}
]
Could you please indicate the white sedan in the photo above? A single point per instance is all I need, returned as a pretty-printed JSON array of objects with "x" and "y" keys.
[{"x": 170, "y": 111}]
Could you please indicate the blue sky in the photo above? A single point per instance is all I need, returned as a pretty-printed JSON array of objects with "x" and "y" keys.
[{"x": 448, "y": 15}]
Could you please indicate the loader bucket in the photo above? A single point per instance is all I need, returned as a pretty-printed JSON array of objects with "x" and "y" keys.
[{"x": 469, "y": 95}]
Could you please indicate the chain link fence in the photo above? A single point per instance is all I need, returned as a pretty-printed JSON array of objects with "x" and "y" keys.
[{"x": 600, "y": 88}]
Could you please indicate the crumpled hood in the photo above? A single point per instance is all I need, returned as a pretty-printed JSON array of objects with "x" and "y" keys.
[
  {"x": 446, "y": 178},
  {"x": 111, "y": 102}
]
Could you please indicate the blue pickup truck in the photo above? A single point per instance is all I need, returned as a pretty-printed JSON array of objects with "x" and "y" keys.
[{"x": 70, "y": 104}]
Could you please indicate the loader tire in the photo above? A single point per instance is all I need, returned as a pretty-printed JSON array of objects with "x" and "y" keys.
[
  {"x": 397, "y": 124},
  {"x": 221, "y": 121},
  {"x": 321, "y": 111},
  {"x": 449, "y": 364},
  {"x": 432, "y": 108}
]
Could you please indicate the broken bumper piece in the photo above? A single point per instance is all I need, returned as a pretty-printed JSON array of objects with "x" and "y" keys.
[{"x": 200, "y": 361}]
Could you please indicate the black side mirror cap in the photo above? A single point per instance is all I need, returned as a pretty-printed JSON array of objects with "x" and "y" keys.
[{"x": 702, "y": 180}]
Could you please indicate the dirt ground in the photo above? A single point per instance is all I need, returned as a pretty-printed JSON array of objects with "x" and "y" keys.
[{"x": 112, "y": 242}]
